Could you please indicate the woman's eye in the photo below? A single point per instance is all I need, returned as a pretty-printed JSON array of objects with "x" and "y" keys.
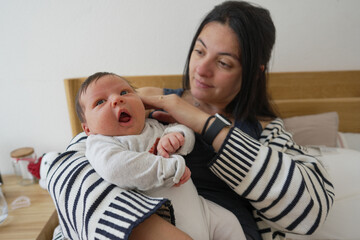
[
  {"x": 124, "y": 92},
  {"x": 199, "y": 52},
  {"x": 224, "y": 64},
  {"x": 100, "y": 102}
]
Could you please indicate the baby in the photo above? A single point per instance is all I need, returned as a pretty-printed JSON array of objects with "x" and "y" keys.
[{"x": 122, "y": 145}]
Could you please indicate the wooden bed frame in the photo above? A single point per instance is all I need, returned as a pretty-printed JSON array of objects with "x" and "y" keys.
[{"x": 294, "y": 94}]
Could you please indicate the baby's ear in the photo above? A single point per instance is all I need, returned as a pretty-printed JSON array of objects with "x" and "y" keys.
[{"x": 85, "y": 128}]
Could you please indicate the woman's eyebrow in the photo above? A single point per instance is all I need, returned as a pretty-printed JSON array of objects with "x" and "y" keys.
[
  {"x": 230, "y": 55},
  {"x": 220, "y": 53},
  {"x": 202, "y": 42}
]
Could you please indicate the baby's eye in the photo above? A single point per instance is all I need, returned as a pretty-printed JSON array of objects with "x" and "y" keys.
[
  {"x": 124, "y": 92},
  {"x": 100, "y": 102}
]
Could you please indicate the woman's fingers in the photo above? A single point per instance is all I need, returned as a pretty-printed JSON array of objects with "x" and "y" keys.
[
  {"x": 163, "y": 117},
  {"x": 180, "y": 110},
  {"x": 166, "y": 102},
  {"x": 153, "y": 102}
]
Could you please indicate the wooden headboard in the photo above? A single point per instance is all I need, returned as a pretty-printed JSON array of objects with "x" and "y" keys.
[{"x": 294, "y": 94}]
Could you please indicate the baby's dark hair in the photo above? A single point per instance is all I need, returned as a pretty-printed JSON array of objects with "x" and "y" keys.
[{"x": 84, "y": 86}]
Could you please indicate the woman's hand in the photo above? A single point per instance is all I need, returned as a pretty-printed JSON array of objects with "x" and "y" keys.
[
  {"x": 163, "y": 116},
  {"x": 179, "y": 110}
]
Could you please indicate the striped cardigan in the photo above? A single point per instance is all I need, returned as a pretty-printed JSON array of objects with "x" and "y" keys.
[{"x": 289, "y": 189}]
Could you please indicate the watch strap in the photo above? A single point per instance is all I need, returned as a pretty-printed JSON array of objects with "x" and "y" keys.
[
  {"x": 219, "y": 123},
  {"x": 206, "y": 124}
]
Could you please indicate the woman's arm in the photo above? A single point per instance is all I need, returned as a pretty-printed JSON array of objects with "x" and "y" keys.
[
  {"x": 290, "y": 189},
  {"x": 157, "y": 228},
  {"x": 180, "y": 111}
]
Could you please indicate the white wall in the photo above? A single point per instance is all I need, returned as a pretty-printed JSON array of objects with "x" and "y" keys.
[{"x": 42, "y": 42}]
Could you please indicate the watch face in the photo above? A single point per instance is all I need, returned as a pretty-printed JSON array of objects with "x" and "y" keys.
[{"x": 223, "y": 119}]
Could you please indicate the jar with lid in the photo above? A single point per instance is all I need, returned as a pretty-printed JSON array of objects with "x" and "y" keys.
[
  {"x": 3, "y": 206},
  {"x": 21, "y": 158}
]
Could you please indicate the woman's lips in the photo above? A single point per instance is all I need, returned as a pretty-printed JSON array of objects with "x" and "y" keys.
[{"x": 200, "y": 84}]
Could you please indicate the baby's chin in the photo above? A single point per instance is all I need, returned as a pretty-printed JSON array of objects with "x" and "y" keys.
[{"x": 127, "y": 131}]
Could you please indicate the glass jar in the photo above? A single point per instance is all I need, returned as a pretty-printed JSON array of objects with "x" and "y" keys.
[
  {"x": 3, "y": 207},
  {"x": 20, "y": 159}
]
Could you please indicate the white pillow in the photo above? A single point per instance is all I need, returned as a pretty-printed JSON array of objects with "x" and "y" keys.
[
  {"x": 317, "y": 129},
  {"x": 342, "y": 223}
]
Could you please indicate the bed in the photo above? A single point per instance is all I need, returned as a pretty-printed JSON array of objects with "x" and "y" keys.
[{"x": 322, "y": 111}]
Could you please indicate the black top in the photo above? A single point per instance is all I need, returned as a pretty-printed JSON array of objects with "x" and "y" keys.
[{"x": 213, "y": 188}]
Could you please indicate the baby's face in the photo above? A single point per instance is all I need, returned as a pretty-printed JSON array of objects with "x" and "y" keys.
[{"x": 112, "y": 108}]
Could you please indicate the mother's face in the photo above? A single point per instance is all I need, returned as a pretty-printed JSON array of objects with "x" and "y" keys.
[{"x": 215, "y": 68}]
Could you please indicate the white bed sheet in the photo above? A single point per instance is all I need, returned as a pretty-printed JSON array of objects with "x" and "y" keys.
[{"x": 349, "y": 140}]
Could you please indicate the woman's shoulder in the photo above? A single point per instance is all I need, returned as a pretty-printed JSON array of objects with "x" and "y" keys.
[
  {"x": 271, "y": 123},
  {"x": 178, "y": 91}
]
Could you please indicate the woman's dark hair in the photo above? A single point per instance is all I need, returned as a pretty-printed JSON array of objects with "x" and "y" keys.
[{"x": 255, "y": 31}]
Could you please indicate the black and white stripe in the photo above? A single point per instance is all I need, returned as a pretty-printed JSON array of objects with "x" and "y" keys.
[
  {"x": 91, "y": 208},
  {"x": 289, "y": 189}
]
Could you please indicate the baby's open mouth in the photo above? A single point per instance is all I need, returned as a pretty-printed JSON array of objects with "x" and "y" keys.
[{"x": 124, "y": 117}]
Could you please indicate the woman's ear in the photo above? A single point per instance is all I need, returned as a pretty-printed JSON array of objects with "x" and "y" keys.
[{"x": 85, "y": 128}]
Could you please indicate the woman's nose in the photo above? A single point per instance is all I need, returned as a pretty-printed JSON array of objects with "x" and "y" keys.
[
  {"x": 116, "y": 99},
  {"x": 204, "y": 67}
]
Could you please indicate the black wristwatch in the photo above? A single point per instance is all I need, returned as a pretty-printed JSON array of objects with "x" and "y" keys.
[{"x": 214, "y": 129}]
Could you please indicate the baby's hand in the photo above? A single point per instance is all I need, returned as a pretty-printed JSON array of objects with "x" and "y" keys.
[
  {"x": 170, "y": 143},
  {"x": 185, "y": 177}
]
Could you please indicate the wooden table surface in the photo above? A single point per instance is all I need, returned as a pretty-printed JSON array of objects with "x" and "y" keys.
[{"x": 25, "y": 223}]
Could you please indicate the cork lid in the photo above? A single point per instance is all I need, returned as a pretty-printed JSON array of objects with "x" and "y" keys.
[{"x": 22, "y": 152}]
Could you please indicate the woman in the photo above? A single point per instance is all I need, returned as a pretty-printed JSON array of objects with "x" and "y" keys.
[
  {"x": 226, "y": 74},
  {"x": 271, "y": 184}
]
